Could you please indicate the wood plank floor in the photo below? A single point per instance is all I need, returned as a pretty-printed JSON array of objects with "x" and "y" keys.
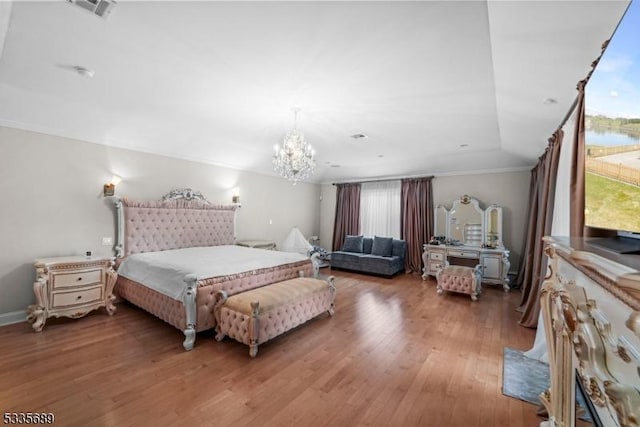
[{"x": 395, "y": 354}]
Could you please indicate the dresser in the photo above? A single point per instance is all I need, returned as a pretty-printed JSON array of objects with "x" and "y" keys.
[
  {"x": 494, "y": 262},
  {"x": 71, "y": 287},
  {"x": 590, "y": 305}
]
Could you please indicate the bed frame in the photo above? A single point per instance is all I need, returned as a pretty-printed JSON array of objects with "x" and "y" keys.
[{"x": 182, "y": 219}]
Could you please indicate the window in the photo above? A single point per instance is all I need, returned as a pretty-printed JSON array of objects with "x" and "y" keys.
[{"x": 380, "y": 209}]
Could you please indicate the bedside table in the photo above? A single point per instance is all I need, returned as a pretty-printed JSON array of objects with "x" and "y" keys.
[{"x": 71, "y": 287}]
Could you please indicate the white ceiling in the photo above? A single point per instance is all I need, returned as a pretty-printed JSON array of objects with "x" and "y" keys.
[{"x": 215, "y": 81}]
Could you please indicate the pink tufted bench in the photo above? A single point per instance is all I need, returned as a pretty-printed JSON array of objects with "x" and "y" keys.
[
  {"x": 457, "y": 278},
  {"x": 254, "y": 317}
]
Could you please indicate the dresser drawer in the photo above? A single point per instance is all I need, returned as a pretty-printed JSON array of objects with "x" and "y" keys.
[
  {"x": 464, "y": 254},
  {"x": 436, "y": 255},
  {"x": 77, "y": 278},
  {"x": 434, "y": 266},
  {"x": 83, "y": 296}
]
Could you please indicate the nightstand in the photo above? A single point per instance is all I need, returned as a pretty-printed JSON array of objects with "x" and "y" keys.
[{"x": 71, "y": 287}]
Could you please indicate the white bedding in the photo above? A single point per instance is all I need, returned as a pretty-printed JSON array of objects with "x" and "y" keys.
[{"x": 164, "y": 271}]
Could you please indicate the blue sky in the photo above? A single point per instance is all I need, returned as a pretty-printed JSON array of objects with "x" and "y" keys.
[{"x": 614, "y": 88}]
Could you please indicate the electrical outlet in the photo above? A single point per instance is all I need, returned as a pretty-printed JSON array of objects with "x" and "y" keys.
[{"x": 107, "y": 241}]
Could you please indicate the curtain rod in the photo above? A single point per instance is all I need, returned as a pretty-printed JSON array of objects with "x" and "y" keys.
[
  {"x": 382, "y": 179},
  {"x": 569, "y": 113}
]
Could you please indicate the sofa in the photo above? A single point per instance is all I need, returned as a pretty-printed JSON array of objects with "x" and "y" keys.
[{"x": 375, "y": 255}]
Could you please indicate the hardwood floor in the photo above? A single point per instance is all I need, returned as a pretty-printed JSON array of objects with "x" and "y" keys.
[{"x": 395, "y": 354}]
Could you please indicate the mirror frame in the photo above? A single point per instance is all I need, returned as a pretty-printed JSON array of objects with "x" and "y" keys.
[{"x": 475, "y": 204}]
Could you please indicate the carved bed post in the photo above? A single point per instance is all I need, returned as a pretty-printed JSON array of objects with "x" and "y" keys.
[
  {"x": 190, "y": 310},
  {"x": 120, "y": 236},
  {"x": 109, "y": 298}
]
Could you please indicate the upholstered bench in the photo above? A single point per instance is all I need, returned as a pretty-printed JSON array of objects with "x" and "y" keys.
[
  {"x": 458, "y": 278},
  {"x": 254, "y": 317}
]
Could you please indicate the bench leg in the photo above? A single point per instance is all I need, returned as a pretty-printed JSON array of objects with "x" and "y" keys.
[
  {"x": 253, "y": 350},
  {"x": 254, "y": 328}
]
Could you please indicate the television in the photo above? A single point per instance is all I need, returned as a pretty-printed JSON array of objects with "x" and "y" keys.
[{"x": 612, "y": 138}]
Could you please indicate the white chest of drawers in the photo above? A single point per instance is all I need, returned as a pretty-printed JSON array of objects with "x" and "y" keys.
[{"x": 71, "y": 287}]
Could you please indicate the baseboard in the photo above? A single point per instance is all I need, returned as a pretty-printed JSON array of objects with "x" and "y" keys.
[{"x": 13, "y": 317}]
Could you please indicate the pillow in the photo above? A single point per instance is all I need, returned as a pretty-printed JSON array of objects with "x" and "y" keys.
[
  {"x": 382, "y": 246},
  {"x": 352, "y": 244}
]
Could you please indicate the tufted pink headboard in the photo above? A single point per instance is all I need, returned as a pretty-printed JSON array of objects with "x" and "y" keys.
[{"x": 148, "y": 226}]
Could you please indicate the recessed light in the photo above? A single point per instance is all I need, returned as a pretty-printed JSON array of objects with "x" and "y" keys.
[
  {"x": 550, "y": 101},
  {"x": 380, "y": 155},
  {"x": 464, "y": 145},
  {"x": 359, "y": 136},
  {"x": 335, "y": 166}
]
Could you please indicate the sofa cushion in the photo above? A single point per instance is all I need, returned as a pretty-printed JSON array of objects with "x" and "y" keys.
[
  {"x": 367, "y": 244},
  {"x": 352, "y": 244},
  {"x": 399, "y": 248},
  {"x": 382, "y": 246}
]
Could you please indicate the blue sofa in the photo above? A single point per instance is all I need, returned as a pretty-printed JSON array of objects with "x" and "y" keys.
[{"x": 375, "y": 255}]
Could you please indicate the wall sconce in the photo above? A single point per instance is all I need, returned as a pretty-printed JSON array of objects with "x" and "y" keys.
[
  {"x": 235, "y": 198},
  {"x": 110, "y": 187}
]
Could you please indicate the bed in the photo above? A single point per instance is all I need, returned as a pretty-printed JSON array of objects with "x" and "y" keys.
[{"x": 190, "y": 243}]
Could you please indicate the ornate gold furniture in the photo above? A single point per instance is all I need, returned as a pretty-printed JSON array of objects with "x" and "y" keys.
[
  {"x": 71, "y": 287},
  {"x": 590, "y": 306},
  {"x": 469, "y": 236}
]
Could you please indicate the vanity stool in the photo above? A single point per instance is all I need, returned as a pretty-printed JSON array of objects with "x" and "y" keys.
[{"x": 458, "y": 278}]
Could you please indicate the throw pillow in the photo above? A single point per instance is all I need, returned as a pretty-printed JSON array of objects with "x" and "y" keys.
[
  {"x": 382, "y": 246},
  {"x": 352, "y": 244}
]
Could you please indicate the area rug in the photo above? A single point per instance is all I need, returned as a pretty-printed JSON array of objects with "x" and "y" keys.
[{"x": 525, "y": 378}]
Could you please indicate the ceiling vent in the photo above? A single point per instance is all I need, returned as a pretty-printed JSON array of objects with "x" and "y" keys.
[{"x": 102, "y": 8}]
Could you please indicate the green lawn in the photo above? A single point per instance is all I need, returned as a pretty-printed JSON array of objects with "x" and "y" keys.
[{"x": 611, "y": 204}]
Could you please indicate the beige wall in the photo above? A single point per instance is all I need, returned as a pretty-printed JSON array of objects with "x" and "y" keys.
[
  {"x": 507, "y": 189},
  {"x": 52, "y": 204}
]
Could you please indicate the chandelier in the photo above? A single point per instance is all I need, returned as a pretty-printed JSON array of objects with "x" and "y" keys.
[{"x": 295, "y": 160}]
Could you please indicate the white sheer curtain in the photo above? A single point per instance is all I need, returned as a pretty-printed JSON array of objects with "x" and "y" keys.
[{"x": 380, "y": 209}]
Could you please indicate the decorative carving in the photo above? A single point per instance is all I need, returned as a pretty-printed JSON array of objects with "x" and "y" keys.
[
  {"x": 189, "y": 301},
  {"x": 626, "y": 402},
  {"x": 254, "y": 327},
  {"x": 575, "y": 323},
  {"x": 633, "y": 323},
  {"x": 109, "y": 298},
  {"x": 315, "y": 261},
  {"x": 185, "y": 193},
  {"x": 332, "y": 286},
  {"x": 37, "y": 313}
]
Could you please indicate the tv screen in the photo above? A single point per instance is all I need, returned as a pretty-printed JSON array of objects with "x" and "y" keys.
[{"x": 612, "y": 137}]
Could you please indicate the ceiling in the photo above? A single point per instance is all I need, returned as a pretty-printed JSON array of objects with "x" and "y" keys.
[{"x": 438, "y": 86}]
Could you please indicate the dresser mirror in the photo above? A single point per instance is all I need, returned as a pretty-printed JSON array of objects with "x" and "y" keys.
[
  {"x": 466, "y": 222},
  {"x": 440, "y": 222},
  {"x": 493, "y": 226}
]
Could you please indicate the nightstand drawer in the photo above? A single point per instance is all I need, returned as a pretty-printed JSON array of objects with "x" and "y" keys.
[
  {"x": 464, "y": 254},
  {"x": 436, "y": 255},
  {"x": 62, "y": 299},
  {"x": 77, "y": 278},
  {"x": 434, "y": 266}
]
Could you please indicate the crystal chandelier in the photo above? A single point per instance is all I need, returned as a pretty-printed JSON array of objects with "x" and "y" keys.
[{"x": 295, "y": 160}]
